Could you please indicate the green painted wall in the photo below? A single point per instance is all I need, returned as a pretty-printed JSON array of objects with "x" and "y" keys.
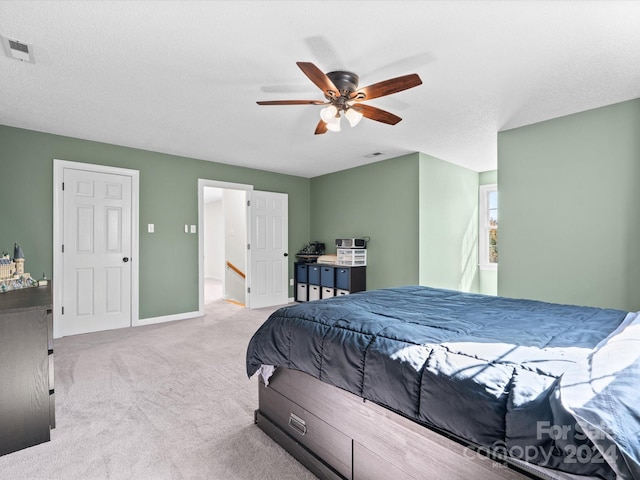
[
  {"x": 168, "y": 198},
  {"x": 420, "y": 212},
  {"x": 489, "y": 177},
  {"x": 488, "y": 279},
  {"x": 378, "y": 200},
  {"x": 448, "y": 225},
  {"x": 569, "y": 208}
]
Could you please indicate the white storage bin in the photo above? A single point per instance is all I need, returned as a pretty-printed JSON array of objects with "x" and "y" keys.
[
  {"x": 328, "y": 292},
  {"x": 340, "y": 293},
  {"x": 352, "y": 256},
  {"x": 302, "y": 292},
  {"x": 314, "y": 292}
]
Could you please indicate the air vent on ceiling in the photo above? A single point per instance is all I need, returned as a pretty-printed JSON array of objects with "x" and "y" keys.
[
  {"x": 18, "y": 50},
  {"x": 372, "y": 155}
]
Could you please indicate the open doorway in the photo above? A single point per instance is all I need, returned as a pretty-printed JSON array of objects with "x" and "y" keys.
[
  {"x": 213, "y": 245},
  {"x": 222, "y": 236},
  {"x": 224, "y": 230},
  {"x": 254, "y": 269}
]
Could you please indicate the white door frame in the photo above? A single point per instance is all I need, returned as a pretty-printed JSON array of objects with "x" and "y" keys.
[
  {"x": 202, "y": 183},
  {"x": 58, "y": 219}
]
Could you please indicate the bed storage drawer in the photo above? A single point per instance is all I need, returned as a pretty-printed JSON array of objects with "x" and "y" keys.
[
  {"x": 330, "y": 444},
  {"x": 384, "y": 444},
  {"x": 369, "y": 466},
  {"x": 308, "y": 459}
]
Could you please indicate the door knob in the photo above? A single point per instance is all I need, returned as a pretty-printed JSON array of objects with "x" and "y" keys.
[
  {"x": 125, "y": 259},
  {"x": 286, "y": 254}
]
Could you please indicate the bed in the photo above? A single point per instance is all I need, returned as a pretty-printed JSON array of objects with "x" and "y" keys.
[{"x": 417, "y": 382}]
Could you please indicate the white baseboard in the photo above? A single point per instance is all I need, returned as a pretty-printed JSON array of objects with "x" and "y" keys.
[{"x": 167, "y": 318}]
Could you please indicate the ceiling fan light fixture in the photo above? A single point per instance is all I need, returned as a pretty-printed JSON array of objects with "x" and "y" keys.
[
  {"x": 329, "y": 113},
  {"x": 333, "y": 125},
  {"x": 340, "y": 89},
  {"x": 353, "y": 116}
]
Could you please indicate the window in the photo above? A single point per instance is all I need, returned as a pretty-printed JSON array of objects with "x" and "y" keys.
[{"x": 488, "y": 228}]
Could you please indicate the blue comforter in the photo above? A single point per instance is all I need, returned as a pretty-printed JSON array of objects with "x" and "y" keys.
[{"x": 486, "y": 369}]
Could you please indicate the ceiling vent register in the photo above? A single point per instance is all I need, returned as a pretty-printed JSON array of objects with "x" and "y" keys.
[{"x": 18, "y": 50}]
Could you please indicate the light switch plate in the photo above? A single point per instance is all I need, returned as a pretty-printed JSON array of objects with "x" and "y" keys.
[
  {"x": 186, "y": 229},
  {"x": 151, "y": 228},
  {"x": 193, "y": 229}
]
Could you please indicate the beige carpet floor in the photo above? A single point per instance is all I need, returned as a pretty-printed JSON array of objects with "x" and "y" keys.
[{"x": 167, "y": 401}]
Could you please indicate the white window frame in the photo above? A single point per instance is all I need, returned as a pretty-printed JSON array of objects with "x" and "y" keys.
[{"x": 483, "y": 237}]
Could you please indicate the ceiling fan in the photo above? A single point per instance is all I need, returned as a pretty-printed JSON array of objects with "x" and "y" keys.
[{"x": 340, "y": 89}]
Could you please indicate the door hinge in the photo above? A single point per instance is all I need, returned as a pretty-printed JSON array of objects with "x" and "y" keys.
[
  {"x": 62, "y": 310},
  {"x": 63, "y": 248},
  {"x": 62, "y": 185},
  {"x": 248, "y": 203},
  {"x": 248, "y": 246},
  {"x": 248, "y": 289}
]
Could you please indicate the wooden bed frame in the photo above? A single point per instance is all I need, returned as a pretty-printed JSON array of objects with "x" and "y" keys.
[{"x": 338, "y": 435}]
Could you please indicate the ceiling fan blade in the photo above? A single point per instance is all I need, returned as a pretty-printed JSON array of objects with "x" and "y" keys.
[
  {"x": 387, "y": 87},
  {"x": 321, "y": 127},
  {"x": 318, "y": 77},
  {"x": 292, "y": 102},
  {"x": 376, "y": 114}
]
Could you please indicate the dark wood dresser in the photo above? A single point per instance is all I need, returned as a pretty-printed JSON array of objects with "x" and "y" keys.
[{"x": 27, "y": 402}]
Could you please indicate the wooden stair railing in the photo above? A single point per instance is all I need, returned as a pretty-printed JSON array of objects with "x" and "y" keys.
[{"x": 236, "y": 269}]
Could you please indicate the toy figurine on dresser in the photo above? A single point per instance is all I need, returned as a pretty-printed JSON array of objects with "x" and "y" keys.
[{"x": 12, "y": 274}]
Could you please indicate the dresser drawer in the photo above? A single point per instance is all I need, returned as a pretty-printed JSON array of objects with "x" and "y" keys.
[
  {"x": 52, "y": 396},
  {"x": 328, "y": 443},
  {"x": 52, "y": 410},
  {"x": 51, "y": 375},
  {"x": 50, "y": 330}
]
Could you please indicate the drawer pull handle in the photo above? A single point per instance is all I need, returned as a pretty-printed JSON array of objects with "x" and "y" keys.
[{"x": 297, "y": 424}]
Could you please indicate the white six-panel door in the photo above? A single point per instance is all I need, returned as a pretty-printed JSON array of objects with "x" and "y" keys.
[
  {"x": 269, "y": 249},
  {"x": 97, "y": 242}
]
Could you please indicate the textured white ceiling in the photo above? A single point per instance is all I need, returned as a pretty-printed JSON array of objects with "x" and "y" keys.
[{"x": 183, "y": 77}]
